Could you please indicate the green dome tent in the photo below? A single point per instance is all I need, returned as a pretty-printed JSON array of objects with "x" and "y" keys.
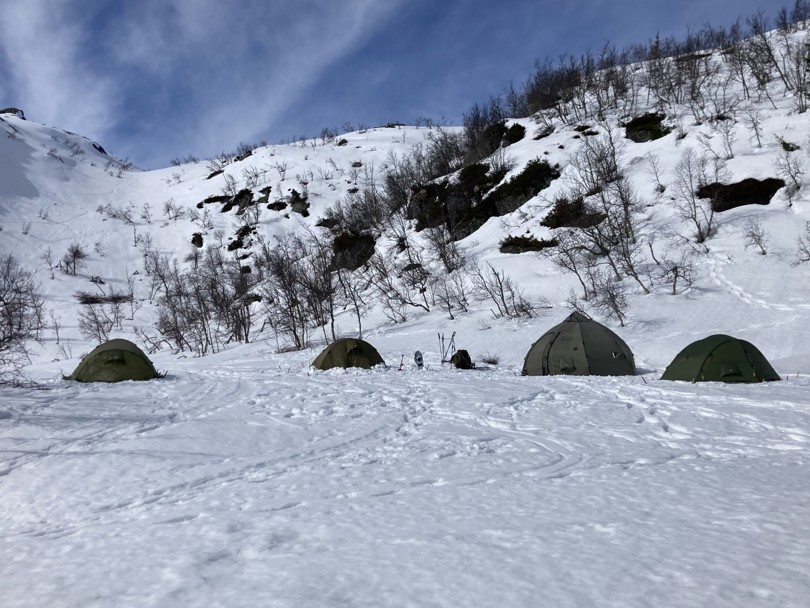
[
  {"x": 579, "y": 346},
  {"x": 348, "y": 352},
  {"x": 720, "y": 358},
  {"x": 114, "y": 361}
]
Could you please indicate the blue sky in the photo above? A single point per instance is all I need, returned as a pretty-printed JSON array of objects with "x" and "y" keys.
[{"x": 154, "y": 80}]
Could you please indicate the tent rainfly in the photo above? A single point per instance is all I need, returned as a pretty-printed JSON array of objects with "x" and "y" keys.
[
  {"x": 114, "y": 361},
  {"x": 579, "y": 346},
  {"x": 348, "y": 352},
  {"x": 720, "y": 358}
]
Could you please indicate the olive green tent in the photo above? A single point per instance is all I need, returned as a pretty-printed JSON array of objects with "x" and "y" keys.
[
  {"x": 579, "y": 346},
  {"x": 114, "y": 361},
  {"x": 348, "y": 352},
  {"x": 720, "y": 358}
]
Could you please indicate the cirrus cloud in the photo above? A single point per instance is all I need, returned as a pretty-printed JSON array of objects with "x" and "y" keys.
[{"x": 158, "y": 79}]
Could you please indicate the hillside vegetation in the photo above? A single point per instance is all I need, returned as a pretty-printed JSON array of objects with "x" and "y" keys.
[{"x": 626, "y": 175}]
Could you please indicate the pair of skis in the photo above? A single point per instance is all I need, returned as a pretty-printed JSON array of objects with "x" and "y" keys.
[{"x": 451, "y": 347}]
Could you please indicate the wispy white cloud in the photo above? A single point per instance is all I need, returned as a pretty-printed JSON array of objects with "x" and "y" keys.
[
  {"x": 234, "y": 72},
  {"x": 192, "y": 75},
  {"x": 42, "y": 42},
  {"x": 255, "y": 66},
  {"x": 155, "y": 79}
]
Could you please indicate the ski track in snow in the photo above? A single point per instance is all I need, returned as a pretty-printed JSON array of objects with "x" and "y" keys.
[
  {"x": 221, "y": 470},
  {"x": 717, "y": 277}
]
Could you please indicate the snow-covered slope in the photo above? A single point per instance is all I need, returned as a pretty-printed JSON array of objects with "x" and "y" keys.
[
  {"x": 244, "y": 478},
  {"x": 52, "y": 200},
  {"x": 55, "y": 198}
]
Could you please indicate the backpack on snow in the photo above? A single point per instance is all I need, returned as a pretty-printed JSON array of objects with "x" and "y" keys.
[{"x": 461, "y": 359}]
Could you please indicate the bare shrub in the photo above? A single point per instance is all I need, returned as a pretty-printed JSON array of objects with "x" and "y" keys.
[
  {"x": 114, "y": 297},
  {"x": 789, "y": 166},
  {"x": 690, "y": 176},
  {"x": 253, "y": 176},
  {"x": 284, "y": 300},
  {"x": 205, "y": 308},
  {"x": 360, "y": 211},
  {"x": 281, "y": 168},
  {"x": 231, "y": 188},
  {"x": 803, "y": 247},
  {"x": 610, "y": 297},
  {"x": 146, "y": 213},
  {"x": 442, "y": 245},
  {"x": 655, "y": 170},
  {"x": 445, "y": 153},
  {"x": 490, "y": 358},
  {"x": 507, "y": 296},
  {"x": 613, "y": 240},
  {"x": 399, "y": 286},
  {"x": 21, "y": 316},
  {"x": 727, "y": 130},
  {"x": 319, "y": 282},
  {"x": 73, "y": 258},
  {"x": 114, "y": 213},
  {"x": 452, "y": 292},
  {"x": 754, "y": 120},
  {"x": 48, "y": 258},
  {"x": 680, "y": 271},
  {"x": 351, "y": 290},
  {"x": 596, "y": 164},
  {"x": 755, "y": 235},
  {"x": 96, "y": 322},
  {"x": 172, "y": 211}
]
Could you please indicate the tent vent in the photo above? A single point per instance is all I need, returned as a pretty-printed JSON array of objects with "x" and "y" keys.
[
  {"x": 729, "y": 369},
  {"x": 115, "y": 357}
]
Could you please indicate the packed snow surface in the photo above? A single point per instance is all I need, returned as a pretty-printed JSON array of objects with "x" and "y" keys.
[{"x": 255, "y": 481}]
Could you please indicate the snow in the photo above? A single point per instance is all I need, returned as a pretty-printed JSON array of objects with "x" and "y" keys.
[
  {"x": 246, "y": 478},
  {"x": 252, "y": 481}
]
